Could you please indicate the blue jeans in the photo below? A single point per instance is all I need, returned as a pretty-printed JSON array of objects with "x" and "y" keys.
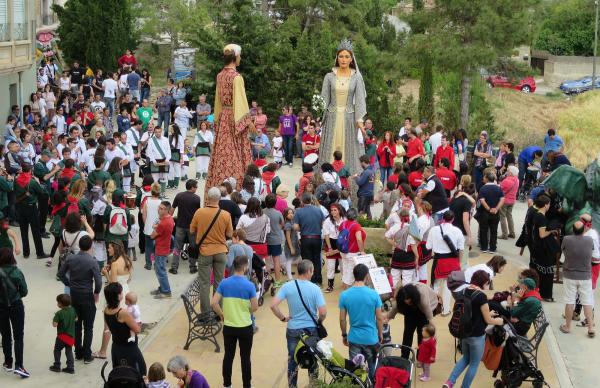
[
  {"x": 145, "y": 94},
  {"x": 135, "y": 94},
  {"x": 166, "y": 118},
  {"x": 478, "y": 177},
  {"x": 522, "y": 172},
  {"x": 370, "y": 353},
  {"x": 472, "y": 349},
  {"x": 149, "y": 250},
  {"x": 293, "y": 337},
  {"x": 386, "y": 172},
  {"x": 160, "y": 268},
  {"x": 288, "y": 148},
  {"x": 110, "y": 103}
]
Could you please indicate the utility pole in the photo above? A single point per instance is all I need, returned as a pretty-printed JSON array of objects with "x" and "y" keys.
[{"x": 595, "y": 47}]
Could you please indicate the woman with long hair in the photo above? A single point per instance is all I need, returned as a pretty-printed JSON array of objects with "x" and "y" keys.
[
  {"x": 256, "y": 225},
  {"x": 146, "y": 85},
  {"x": 203, "y": 143},
  {"x": 116, "y": 173},
  {"x": 331, "y": 231},
  {"x": 386, "y": 152},
  {"x": 176, "y": 141},
  {"x": 425, "y": 222},
  {"x": 50, "y": 99}
]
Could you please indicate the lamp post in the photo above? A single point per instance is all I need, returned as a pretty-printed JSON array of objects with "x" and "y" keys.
[{"x": 595, "y": 47}]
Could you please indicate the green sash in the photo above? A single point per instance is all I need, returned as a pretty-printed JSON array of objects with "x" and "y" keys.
[
  {"x": 126, "y": 169},
  {"x": 159, "y": 169},
  {"x": 203, "y": 147}
]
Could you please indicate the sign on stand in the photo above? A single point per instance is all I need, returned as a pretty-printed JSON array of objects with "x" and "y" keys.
[{"x": 379, "y": 278}]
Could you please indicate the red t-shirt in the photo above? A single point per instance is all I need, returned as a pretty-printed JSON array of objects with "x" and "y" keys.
[
  {"x": 447, "y": 153},
  {"x": 415, "y": 147},
  {"x": 311, "y": 140},
  {"x": 415, "y": 179},
  {"x": 162, "y": 242},
  {"x": 447, "y": 177},
  {"x": 353, "y": 227}
]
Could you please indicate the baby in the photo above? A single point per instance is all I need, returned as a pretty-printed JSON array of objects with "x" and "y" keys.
[{"x": 134, "y": 310}]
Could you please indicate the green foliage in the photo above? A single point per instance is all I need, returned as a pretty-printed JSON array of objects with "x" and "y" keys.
[
  {"x": 96, "y": 32},
  {"x": 374, "y": 223},
  {"x": 382, "y": 257},
  {"x": 568, "y": 28},
  {"x": 513, "y": 70},
  {"x": 426, "y": 103}
]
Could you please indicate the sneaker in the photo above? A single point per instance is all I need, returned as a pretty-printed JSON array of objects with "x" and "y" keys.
[
  {"x": 54, "y": 368},
  {"x": 492, "y": 251},
  {"x": 88, "y": 360},
  {"x": 162, "y": 295},
  {"x": 193, "y": 270},
  {"x": 329, "y": 289},
  {"x": 21, "y": 372},
  {"x": 448, "y": 384},
  {"x": 173, "y": 271},
  {"x": 69, "y": 370},
  {"x": 148, "y": 267},
  {"x": 424, "y": 378},
  {"x": 155, "y": 292},
  {"x": 7, "y": 367}
]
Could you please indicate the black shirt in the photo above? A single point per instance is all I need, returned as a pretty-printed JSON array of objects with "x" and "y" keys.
[
  {"x": 492, "y": 194},
  {"x": 188, "y": 203},
  {"x": 477, "y": 300},
  {"x": 232, "y": 208},
  {"x": 459, "y": 206},
  {"x": 76, "y": 75},
  {"x": 128, "y": 106}
]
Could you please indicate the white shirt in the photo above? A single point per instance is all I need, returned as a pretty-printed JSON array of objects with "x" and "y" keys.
[
  {"x": 88, "y": 159},
  {"x": 98, "y": 106},
  {"x": 332, "y": 177},
  {"x": 154, "y": 154},
  {"x": 182, "y": 119},
  {"x": 129, "y": 155},
  {"x": 391, "y": 232},
  {"x": 134, "y": 310},
  {"x": 180, "y": 144},
  {"x": 151, "y": 205},
  {"x": 131, "y": 137},
  {"x": 109, "y": 86},
  {"x": 123, "y": 82},
  {"x": 245, "y": 221},
  {"x": 133, "y": 235},
  {"x": 479, "y": 267},
  {"x": 110, "y": 155},
  {"x": 206, "y": 135},
  {"x": 424, "y": 223},
  {"x": 60, "y": 123},
  {"x": 436, "y": 243},
  {"x": 59, "y": 149},
  {"x": 330, "y": 229},
  {"x": 435, "y": 141},
  {"x": 593, "y": 234}
]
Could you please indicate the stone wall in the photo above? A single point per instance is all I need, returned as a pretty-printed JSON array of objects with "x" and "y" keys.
[{"x": 557, "y": 69}]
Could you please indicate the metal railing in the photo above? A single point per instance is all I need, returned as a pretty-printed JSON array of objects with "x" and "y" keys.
[
  {"x": 4, "y": 32},
  {"x": 20, "y": 31}
]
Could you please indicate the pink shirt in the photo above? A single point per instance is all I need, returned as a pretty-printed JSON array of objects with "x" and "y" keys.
[
  {"x": 281, "y": 204},
  {"x": 510, "y": 187}
]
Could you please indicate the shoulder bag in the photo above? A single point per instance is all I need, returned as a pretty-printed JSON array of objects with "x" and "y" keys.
[
  {"x": 209, "y": 228},
  {"x": 321, "y": 330}
]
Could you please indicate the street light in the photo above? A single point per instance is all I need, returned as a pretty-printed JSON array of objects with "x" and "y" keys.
[{"x": 595, "y": 47}]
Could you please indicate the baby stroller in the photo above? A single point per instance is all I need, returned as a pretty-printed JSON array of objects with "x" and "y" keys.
[
  {"x": 529, "y": 182},
  {"x": 122, "y": 376},
  {"x": 393, "y": 370},
  {"x": 515, "y": 366},
  {"x": 312, "y": 352}
]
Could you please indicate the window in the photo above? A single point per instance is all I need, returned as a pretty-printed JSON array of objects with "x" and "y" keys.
[
  {"x": 19, "y": 20},
  {"x": 4, "y": 26},
  {"x": 47, "y": 13}
]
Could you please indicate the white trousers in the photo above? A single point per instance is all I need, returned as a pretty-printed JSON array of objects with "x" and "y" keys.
[
  {"x": 441, "y": 287},
  {"x": 160, "y": 177},
  {"x": 202, "y": 164},
  {"x": 185, "y": 171},
  {"x": 331, "y": 268},
  {"x": 127, "y": 184},
  {"x": 406, "y": 276},
  {"x": 422, "y": 273},
  {"x": 174, "y": 170}
]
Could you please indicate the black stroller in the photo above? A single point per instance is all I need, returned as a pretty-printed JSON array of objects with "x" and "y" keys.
[{"x": 529, "y": 182}]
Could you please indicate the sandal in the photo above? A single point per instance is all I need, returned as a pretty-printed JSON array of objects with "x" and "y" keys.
[
  {"x": 563, "y": 329},
  {"x": 97, "y": 355},
  {"x": 48, "y": 263}
]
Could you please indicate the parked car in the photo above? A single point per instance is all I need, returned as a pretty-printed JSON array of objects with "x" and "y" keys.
[
  {"x": 526, "y": 85},
  {"x": 579, "y": 86}
]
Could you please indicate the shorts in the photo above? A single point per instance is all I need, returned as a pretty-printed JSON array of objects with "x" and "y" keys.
[
  {"x": 274, "y": 250},
  {"x": 581, "y": 287},
  {"x": 348, "y": 268}
]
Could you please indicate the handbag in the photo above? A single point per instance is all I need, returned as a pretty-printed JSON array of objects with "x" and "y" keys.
[{"x": 321, "y": 330}]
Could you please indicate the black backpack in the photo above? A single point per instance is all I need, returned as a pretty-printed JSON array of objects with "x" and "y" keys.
[
  {"x": 461, "y": 323},
  {"x": 123, "y": 376}
]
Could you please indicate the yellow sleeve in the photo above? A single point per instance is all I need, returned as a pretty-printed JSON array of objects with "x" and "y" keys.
[
  {"x": 217, "y": 105},
  {"x": 241, "y": 112}
]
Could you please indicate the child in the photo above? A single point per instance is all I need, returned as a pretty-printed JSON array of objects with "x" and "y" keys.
[
  {"x": 400, "y": 151},
  {"x": 64, "y": 321},
  {"x": 202, "y": 145},
  {"x": 187, "y": 156},
  {"x": 291, "y": 245},
  {"x": 157, "y": 377},
  {"x": 340, "y": 169},
  {"x": 7, "y": 234},
  {"x": 133, "y": 237},
  {"x": 365, "y": 182},
  {"x": 278, "y": 148},
  {"x": 238, "y": 247},
  {"x": 426, "y": 354},
  {"x": 134, "y": 310},
  {"x": 389, "y": 197},
  {"x": 345, "y": 199}
]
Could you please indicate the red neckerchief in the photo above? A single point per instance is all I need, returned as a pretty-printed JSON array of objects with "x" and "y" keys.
[
  {"x": 23, "y": 179},
  {"x": 532, "y": 294},
  {"x": 268, "y": 177},
  {"x": 68, "y": 172},
  {"x": 147, "y": 188},
  {"x": 58, "y": 208}
]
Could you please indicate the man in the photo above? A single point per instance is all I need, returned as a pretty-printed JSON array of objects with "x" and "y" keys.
[
  {"x": 422, "y": 127},
  {"x": 129, "y": 168},
  {"x": 79, "y": 142},
  {"x": 553, "y": 142},
  {"x": 557, "y": 159},
  {"x": 159, "y": 153},
  {"x": 98, "y": 176},
  {"x": 43, "y": 174},
  {"x": 27, "y": 192},
  {"x": 435, "y": 140},
  {"x": 228, "y": 205},
  {"x": 461, "y": 206},
  {"x": 77, "y": 74},
  {"x": 144, "y": 113},
  {"x": 445, "y": 150},
  {"x": 365, "y": 182},
  {"x": 260, "y": 146},
  {"x": 445, "y": 258},
  {"x": 239, "y": 302},
  {"x": 300, "y": 320},
  {"x": 528, "y": 307},
  {"x": 162, "y": 247},
  {"x": 13, "y": 159},
  {"x": 212, "y": 227},
  {"x": 110, "y": 87},
  {"x": 79, "y": 103},
  {"x": 434, "y": 193},
  {"x": 491, "y": 198},
  {"x": 187, "y": 202},
  {"x": 362, "y": 305},
  {"x": 112, "y": 151},
  {"x": 203, "y": 110},
  {"x": 127, "y": 103},
  {"x": 123, "y": 120},
  {"x": 182, "y": 118},
  {"x": 163, "y": 105},
  {"x": 309, "y": 221},
  {"x": 134, "y": 135},
  {"x": 445, "y": 175},
  {"x": 81, "y": 274},
  {"x": 405, "y": 130},
  {"x": 59, "y": 121},
  {"x": 98, "y": 105},
  {"x": 528, "y": 157},
  {"x": 356, "y": 246},
  {"x": 590, "y": 232},
  {"x": 134, "y": 82},
  {"x": 577, "y": 276},
  {"x": 414, "y": 149}
]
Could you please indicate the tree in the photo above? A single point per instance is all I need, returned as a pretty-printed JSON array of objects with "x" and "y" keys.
[
  {"x": 96, "y": 32},
  {"x": 426, "y": 104},
  {"x": 568, "y": 29}
]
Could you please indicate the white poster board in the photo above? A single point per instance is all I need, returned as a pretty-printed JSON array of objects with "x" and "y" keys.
[
  {"x": 368, "y": 260},
  {"x": 380, "y": 281}
]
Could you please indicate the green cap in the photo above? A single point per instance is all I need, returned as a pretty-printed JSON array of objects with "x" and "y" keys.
[
  {"x": 47, "y": 153},
  {"x": 529, "y": 282}
]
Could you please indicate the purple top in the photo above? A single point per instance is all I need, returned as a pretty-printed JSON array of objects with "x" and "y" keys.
[
  {"x": 288, "y": 125},
  {"x": 197, "y": 381}
]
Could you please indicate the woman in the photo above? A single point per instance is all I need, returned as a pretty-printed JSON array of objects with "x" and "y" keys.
[
  {"x": 386, "y": 152},
  {"x": 203, "y": 143},
  {"x": 127, "y": 61},
  {"x": 494, "y": 266},
  {"x": 417, "y": 303},
  {"x": 27, "y": 151},
  {"x": 49, "y": 97},
  {"x": 179, "y": 93},
  {"x": 256, "y": 225},
  {"x": 77, "y": 194},
  {"x": 405, "y": 256},
  {"x": 260, "y": 120},
  {"x": 76, "y": 226},
  {"x": 473, "y": 345},
  {"x": 12, "y": 312},
  {"x": 544, "y": 248},
  {"x": 146, "y": 85},
  {"x": 187, "y": 377},
  {"x": 149, "y": 209},
  {"x": 482, "y": 152},
  {"x": 329, "y": 175},
  {"x": 510, "y": 188},
  {"x": 232, "y": 150},
  {"x": 331, "y": 231},
  {"x": 176, "y": 142},
  {"x": 121, "y": 324},
  {"x": 114, "y": 169},
  {"x": 344, "y": 95},
  {"x": 118, "y": 270},
  {"x": 37, "y": 105}
]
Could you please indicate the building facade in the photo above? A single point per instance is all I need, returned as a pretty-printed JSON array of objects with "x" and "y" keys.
[{"x": 17, "y": 54}]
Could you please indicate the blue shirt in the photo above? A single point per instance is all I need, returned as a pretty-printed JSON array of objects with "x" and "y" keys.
[
  {"x": 310, "y": 218},
  {"x": 527, "y": 155},
  {"x": 133, "y": 80},
  {"x": 536, "y": 191},
  {"x": 365, "y": 182},
  {"x": 492, "y": 194},
  {"x": 552, "y": 144},
  {"x": 311, "y": 293},
  {"x": 237, "y": 292},
  {"x": 361, "y": 304}
]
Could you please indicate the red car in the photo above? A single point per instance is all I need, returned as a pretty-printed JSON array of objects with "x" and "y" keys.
[{"x": 526, "y": 85}]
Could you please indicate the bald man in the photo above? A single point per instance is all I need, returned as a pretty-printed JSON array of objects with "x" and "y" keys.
[{"x": 577, "y": 274}]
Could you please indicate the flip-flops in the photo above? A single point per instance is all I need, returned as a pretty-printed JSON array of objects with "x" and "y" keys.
[
  {"x": 563, "y": 329},
  {"x": 97, "y": 355}
]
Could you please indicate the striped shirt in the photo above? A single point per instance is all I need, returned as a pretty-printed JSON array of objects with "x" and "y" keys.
[{"x": 237, "y": 292}]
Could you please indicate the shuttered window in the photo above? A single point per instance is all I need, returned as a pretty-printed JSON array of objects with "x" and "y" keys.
[
  {"x": 19, "y": 19},
  {"x": 4, "y": 28}
]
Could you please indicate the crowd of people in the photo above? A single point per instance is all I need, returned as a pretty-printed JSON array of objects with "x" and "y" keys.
[{"x": 72, "y": 160}]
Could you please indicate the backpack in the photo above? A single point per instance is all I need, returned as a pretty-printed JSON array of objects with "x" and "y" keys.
[
  {"x": 67, "y": 248},
  {"x": 117, "y": 221},
  {"x": 461, "y": 323},
  {"x": 455, "y": 280},
  {"x": 123, "y": 376},
  {"x": 343, "y": 240},
  {"x": 391, "y": 377}
]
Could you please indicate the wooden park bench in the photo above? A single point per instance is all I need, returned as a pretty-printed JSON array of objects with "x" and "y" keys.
[{"x": 204, "y": 326}]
